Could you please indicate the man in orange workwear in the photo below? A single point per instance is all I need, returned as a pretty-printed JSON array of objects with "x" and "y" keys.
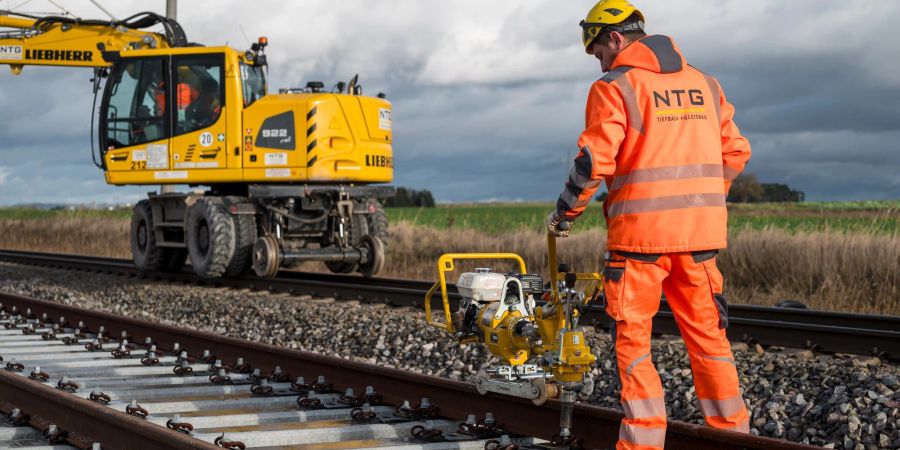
[{"x": 662, "y": 136}]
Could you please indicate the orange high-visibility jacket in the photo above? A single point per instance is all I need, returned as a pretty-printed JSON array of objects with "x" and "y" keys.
[{"x": 662, "y": 135}]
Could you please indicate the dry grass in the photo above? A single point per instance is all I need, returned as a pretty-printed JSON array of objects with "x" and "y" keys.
[{"x": 827, "y": 270}]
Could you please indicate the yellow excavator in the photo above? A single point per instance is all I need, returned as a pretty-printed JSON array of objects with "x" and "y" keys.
[{"x": 286, "y": 178}]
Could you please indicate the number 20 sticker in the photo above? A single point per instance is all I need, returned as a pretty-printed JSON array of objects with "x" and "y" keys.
[{"x": 206, "y": 139}]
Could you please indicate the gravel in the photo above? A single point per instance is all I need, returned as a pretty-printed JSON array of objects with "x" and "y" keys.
[{"x": 835, "y": 401}]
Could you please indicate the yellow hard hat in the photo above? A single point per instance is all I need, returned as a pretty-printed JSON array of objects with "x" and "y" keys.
[{"x": 606, "y": 14}]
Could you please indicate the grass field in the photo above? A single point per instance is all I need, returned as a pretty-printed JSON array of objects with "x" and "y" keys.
[
  {"x": 840, "y": 257},
  {"x": 858, "y": 217}
]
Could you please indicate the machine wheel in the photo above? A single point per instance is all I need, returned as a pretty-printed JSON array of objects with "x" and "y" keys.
[
  {"x": 266, "y": 257},
  {"x": 147, "y": 256},
  {"x": 481, "y": 379},
  {"x": 539, "y": 385},
  {"x": 375, "y": 262},
  {"x": 244, "y": 239},
  {"x": 358, "y": 229},
  {"x": 210, "y": 237}
]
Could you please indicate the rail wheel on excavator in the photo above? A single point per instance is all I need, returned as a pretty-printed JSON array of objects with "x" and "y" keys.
[{"x": 277, "y": 179}]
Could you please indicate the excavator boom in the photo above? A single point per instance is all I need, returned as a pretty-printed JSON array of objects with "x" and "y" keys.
[{"x": 65, "y": 41}]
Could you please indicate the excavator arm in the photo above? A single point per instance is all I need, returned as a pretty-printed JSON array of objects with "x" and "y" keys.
[{"x": 71, "y": 42}]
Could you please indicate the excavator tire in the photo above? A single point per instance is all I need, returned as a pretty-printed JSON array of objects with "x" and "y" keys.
[
  {"x": 147, "y": 256},
  {"x": 244, "y": 238},
  {"x": 378, "y": 222},
  {"x": 210, "y": 237}
]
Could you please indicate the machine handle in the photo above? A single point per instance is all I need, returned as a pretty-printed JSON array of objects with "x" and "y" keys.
[{"x": 564, "y": 225}]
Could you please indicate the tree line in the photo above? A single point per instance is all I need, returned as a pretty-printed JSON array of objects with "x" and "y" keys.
[{"x": 410, "y": 198}]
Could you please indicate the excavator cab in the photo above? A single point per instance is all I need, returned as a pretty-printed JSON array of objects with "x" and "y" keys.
[{"x": 163, "y": 113}]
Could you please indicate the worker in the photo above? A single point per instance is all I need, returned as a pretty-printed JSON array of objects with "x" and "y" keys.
[
  {"x": 661, "y": 134},
  {"x": 187, "y": 93}
]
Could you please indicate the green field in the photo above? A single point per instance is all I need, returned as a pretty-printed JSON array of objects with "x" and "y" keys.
[
  {"x": 871, "y": 217},
  {"x": 860, "y": 217}
]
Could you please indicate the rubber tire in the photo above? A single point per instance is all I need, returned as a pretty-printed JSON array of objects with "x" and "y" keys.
[
  {"x": 245, "y": 236},
  {"x": 378, "y": 222},
  {"x": 208, "y": 215},
  {"x": 149, "y": 257}
]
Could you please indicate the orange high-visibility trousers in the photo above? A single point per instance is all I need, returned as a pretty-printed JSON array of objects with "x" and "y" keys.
[{"x": 693, "y": 287}]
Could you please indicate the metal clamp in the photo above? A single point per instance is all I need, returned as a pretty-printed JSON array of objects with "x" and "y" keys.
[
  {"x": 183, "y": 369},
  {"x": 423, "y": 410},
  {"x": 221, "y": 377},
  {"x": 121, "y": 352},
  {"x": 99, "y": 397},
  {"x": 322, "y": 386},
  {"x": 231, "y": 445},
  {"x": 501, "y": 444},
  {"x": 176, "y": 424},
  {"x": 16, "y": 418},
  {"x": 150, "y": 359},
  {"x": 363, "y": 414},
  {"x": 54, "y": 435},
  {"x": 241, "y": 367},
  {"x": 67, "y": 385},
  {"x": 309, "y": 402},
  {"x": 263, "y": 389},
  {"x": 136, "y": 410},
  {"x": 39, "y": 375},
  {"x": 427, "y": 432}
]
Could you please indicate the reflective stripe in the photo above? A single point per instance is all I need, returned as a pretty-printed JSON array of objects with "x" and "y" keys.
[
  {"x": 612, "y": 75},
  {"x": 727, "y": 359},
  {"x": 730, "y": 174},
  {"x": 722, "y": 408},
  {"x": 635, "y": 120},
  {"x": 653, "y": 174},
  {"x": 635, "y": 362},
  {"x": 654, "y": 437},
  {"x": 742, "y": 427},
  {"x": 643, "y": 205},
  {"x": 717, "y": 100},
  {"x": 583, "y": 201},
  {"x": 579, "y": 180},
  {"x": 645, "y": 408},
  {"x": 664, "y": 50}
]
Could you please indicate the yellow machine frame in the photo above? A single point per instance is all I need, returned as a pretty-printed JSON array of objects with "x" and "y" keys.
[{"x": 575, "y": 357}]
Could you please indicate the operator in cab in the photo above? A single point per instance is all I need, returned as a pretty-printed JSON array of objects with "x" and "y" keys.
[{"x": 661, "y": 134}]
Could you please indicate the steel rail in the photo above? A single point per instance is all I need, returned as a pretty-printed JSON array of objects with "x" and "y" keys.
[
  {"x": 824, "y": 331},
  {"x": 597, "y": 427}
]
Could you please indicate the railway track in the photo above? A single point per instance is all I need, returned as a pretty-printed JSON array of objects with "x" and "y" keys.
[
  {"x": 87, "y": 379},
  {"x": 822, "y": 331}
]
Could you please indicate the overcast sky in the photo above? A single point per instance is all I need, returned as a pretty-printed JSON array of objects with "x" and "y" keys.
[{"x": 488, "y": 97}]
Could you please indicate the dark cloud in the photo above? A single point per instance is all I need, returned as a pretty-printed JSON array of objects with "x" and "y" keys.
[{"x": 490, "y": 105}]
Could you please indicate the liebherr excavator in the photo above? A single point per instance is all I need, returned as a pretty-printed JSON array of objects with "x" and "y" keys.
[{"x": 288, "y": 177}]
